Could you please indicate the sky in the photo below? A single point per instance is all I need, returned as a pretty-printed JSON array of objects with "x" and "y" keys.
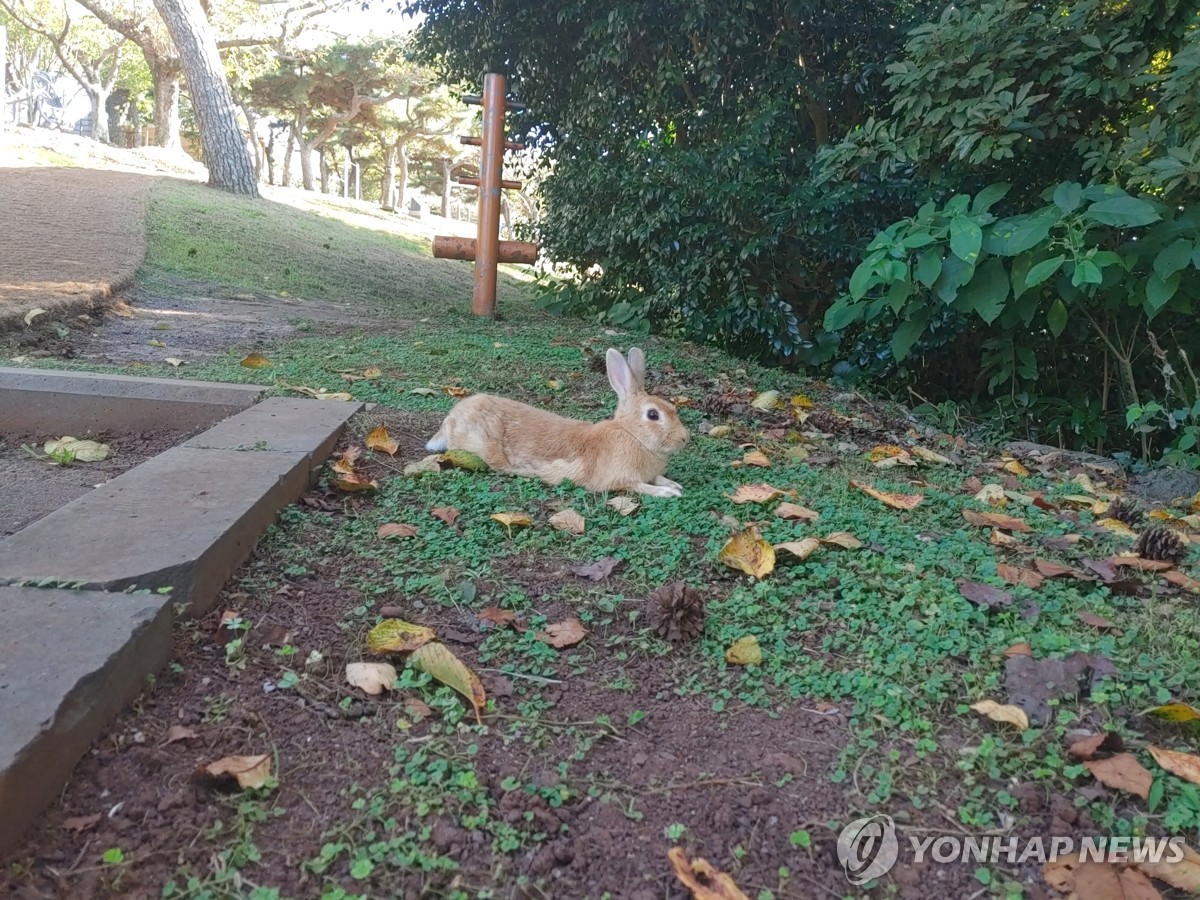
[{"x": 379, "y": 19}]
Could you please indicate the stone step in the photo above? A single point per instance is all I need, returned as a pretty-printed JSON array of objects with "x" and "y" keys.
[{"x": 69, "y": 662}]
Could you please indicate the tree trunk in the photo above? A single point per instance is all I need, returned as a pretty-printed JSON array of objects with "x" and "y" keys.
[
  {"x": 324, "y": 164},
  {"x": 166, "y": 107},
  {"x": 269, "y": 154},
  {"x": 98, "y": 97},
  {"x": 388, "y": 182},
  {"x": 445, "y": 188},
  {"x": 225, "y": 151},
  {"x": 402, "y": 186},
  {"x": 286, "y": 179},
  {"x": 306, "y": 172}
]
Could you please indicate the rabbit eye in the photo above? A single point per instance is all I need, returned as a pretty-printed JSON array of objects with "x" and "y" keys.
[{"x": 652, "y": 415}]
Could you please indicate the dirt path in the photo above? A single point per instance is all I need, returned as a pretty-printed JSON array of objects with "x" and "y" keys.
[{"x": 68, "y": 237}]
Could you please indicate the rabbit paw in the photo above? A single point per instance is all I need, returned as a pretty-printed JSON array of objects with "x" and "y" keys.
[
  {"x": 667, "y": 482},
  {"x": 660, "y": 490}
]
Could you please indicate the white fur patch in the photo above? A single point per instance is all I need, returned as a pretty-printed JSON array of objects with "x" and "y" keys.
[{"x": 436, "y": 444}]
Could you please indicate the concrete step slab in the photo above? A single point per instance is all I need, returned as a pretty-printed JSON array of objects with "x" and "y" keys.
[
  {"x": 281, "y": 423},
  {"x": 69, "y": 662},
  {"x": 186, "y": 519},
  {"x": 45, "y": 402}
]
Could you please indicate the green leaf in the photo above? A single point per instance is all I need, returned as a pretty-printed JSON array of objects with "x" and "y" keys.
[
  {"x": 860, "y": 281},
  {"x": 1021, "y": 266},
  {"x": 1027, "y": 306},
  {"x": 1056, "y": 318},
  {"x": 842, "y": 313},
  {"x": 1173, "y": 258},
  {"x": 987, "y": 290},
  {"x": 917, "y": 239},
  {"x": 929, "y": 267},
  {"x": 1123, "y": 212},
  {"x": 1086, "y": 272},
  {"x": 1159, "y": 291},
  {"x": 955, "y": 273},
  {"x": 1043, "y": 270},
  {"x": 898, "y": 293},
  {"x": 989, "y": 197},
  {"x": 1068, "y": 196},
  {"x": 907, "y": 334},
  {"x": 1016, "y": 234},
  {"x": 965, "y": 238}
]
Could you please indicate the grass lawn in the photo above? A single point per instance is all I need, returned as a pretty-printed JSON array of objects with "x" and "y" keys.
[{"x": 592, "y": 760}]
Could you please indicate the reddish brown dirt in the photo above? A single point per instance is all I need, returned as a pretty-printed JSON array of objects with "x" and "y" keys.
[
  {"x": 34, "y": 487},
  {"x": 71, "y": 237}
]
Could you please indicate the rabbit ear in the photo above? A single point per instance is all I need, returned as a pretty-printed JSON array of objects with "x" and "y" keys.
[
  {"x": 637, "y": 365},
  {"x": 619, "y": 375}
]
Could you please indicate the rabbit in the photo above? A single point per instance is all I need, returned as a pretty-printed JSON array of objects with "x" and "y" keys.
[{"x": 628, "y": 452}]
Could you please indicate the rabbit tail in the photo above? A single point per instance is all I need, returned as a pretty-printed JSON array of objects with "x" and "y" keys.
[{"x": 437, "y": 443}]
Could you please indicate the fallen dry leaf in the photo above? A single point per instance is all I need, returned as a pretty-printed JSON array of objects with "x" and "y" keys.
[
  {"x": 1105, "y": 743},
  {"x": 1175, "y": 712},
  {"x": 33, "y": 314},
  {"x": 372, "y": 372},
  {"x": 396, "y": 530},
  {"x": 992, "y": 494},
  {"x": 745, "y": 651},
  {"x": 512, "y": 520},
  {"x": 843, "y": 539},
  {"x": 78, "y": 450},
  {"x": 398, "y": 636},
  {"x": 447, "y": 514},
  {"x": 931, "y": 456},
  {"x": 1057, "y": 570},
  {"x": 1019, "y": 576},
  {"x": 1007, "y": 542},
  {"x": 756, "y": 458},
  {"x": 1184, "y": 874},
  {"x": 801, "y": 549},
  {"x": 995, "y": 520},
  {"x": 1014, "y": 467},
  {"x": 249, "y": 772},
  {"x": 1117, "y": 527},
  {"x": 1087, "y": 879},
  {"x": 705, "y": 882},
  {"x": 597, "y": 571},
  {"x": 1021, "y": 649},
  {"x": 568, "y": 520},
  {"x": 894, "y": 500},
  {"x": 371, "y": 677},
  {"x": 455, "y": 391},
  {"x": 382, "y": 442},
  {"x": 755, "y": 493},
  {"x": 80, "y": 824},
  {"x": 567, "y": 633},
  {"x": 437, "y": 660},
  {"x": 352, "y": 482},
  {"x": 626, "y": 506},
  {"x": 795, "y": 511},
  {"x": 1186, "y": 582},
  {"x": 747, "y": 552},
  {"x": 256, "y": 361},
  {"x": 179, "y": 733},
  {"x": 1122, "y": 772},
  {"x": 1090, "y": 618},
  {"x": 999, "y": 712},
  {"x": 1182, "y": 765},
  {"x": 498, "y": 616},
  {"x": 1142, "y": 565},
  {"x": 984, "y": 595},
  {"x": 767, "y": 400}
]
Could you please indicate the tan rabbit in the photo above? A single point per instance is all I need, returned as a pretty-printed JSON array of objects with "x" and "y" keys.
[{"x": 625, "y": 453}]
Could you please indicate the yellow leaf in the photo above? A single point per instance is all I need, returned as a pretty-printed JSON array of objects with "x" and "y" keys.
[
  {"x": 1175, "y": 712},
  {"x": 373, "y": 372},
  {"x": 896, "y": 501},
  {"x": 705, "y": 882},
  {"x": 801, "y": 401},
  {"x": 437, "y": 660},
  {"x": 382, "y": 442},
  {"x": 1116, "y": 526},
  {"x": 456, "y": 391},
  {"x": 997, "y": 712},
  {"x": 1014, "y": 467},
  {"x": 333, "y": 395},
  {"x": 749, "y": 553},
  {"x": 992, "y": 494},
  {"x": 398, "y": 636},
  {"x": 756, "y": 458},
  {"x": 1194, "y": 504},
  {"x": 371, "y": 677},
  {"x": 569, "y": 521},
  {"x": 256, "y": 361},
  {"x": 1081, "y": 500},
  {"x": 931, "y": 456},
  {"x": 1086, "y": 483},
  {"x": 156, "y": 343},
  {"x": 1182, "y": 765},
  {"x": 512, "y": 520},
  {"x": 794, "y": 511},
  {"x": 352, "y": 482},
  {"x": 755, "y": 493},
  {"x": 396, "y": 530},
  {"x": 250, "y": 772},
  {"x": 767, "y": 400},
  {"x": 801, "y": 549},
  {"x": 720, "y": 431},
  {"x": 744, "y": 652},
  {"x": 842, "y": 539},
  {"x": 885, "y": 451}
]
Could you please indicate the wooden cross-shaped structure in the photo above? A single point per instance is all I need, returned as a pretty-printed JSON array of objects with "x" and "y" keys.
[{"x": 487, "y": 250}]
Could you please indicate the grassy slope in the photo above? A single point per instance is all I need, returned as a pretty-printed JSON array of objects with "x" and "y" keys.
[{"x": 882, "y": 631}]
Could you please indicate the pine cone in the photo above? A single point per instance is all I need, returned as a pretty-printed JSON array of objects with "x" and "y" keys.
[
  {"x": 1125, "y": 510},
  {"x": 676, "y": 612},
  {"x": 1161, "y": 544}
]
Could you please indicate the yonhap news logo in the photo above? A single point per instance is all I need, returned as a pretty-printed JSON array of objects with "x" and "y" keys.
[{"x": 868, "y": 848}]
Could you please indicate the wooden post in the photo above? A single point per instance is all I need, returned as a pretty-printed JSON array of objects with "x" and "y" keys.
[{"x": 483, "y": 297}]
